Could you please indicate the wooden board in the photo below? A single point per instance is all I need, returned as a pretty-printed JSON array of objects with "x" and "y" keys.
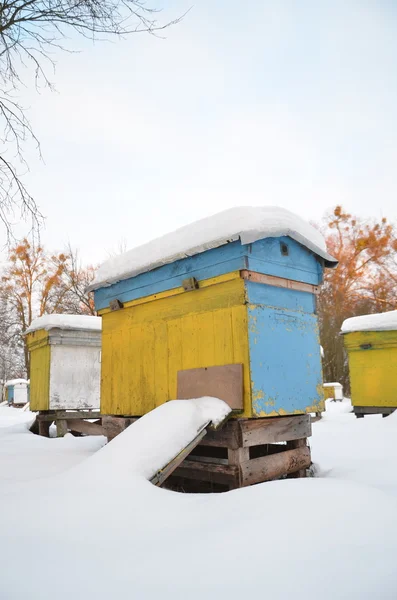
[
  {"x": 224, "y": 382},
  {"x": 282, "y": 282},
  {"x": 224, "y": 474},
  {"x": 162, "y": 474},
  {"x": 86, "y": 427},
  {"x": 274, "y": 429},
  {"x": 275, "y": 465}
]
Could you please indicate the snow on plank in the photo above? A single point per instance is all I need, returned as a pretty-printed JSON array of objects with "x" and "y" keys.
[{"x": 155, "y": 445}]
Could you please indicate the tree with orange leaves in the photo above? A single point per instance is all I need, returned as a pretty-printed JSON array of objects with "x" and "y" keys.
[
  {"x": 37, "y": 283},
  {"x": 364, "y": 282}
]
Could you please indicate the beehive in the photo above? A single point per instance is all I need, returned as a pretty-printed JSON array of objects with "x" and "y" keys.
[
  {"x": 64, "y": 362},
  {"x": 17, "y": 391},
  {"x": 371, "y": 344},
  {"x": 228, "y": 303}
]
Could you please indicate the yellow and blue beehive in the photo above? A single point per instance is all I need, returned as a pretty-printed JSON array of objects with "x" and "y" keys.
[
  {"x": 222, "y": 305},
  {"x": 371, "y": 344},
  {"x": 65, "y": 367}
]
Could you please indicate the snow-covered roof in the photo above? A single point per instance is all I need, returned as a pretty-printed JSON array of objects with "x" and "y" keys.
[
  {"x": 377, "y": 322},
  {"x": 80, "y": 322},
  {"x": 248, "y": 224},
  {"x": 15, "y": 382}
]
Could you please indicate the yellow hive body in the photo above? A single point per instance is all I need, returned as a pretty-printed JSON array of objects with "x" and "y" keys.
[
  {"x": 373, "y": 368},
  {"x": 151, "y": 339},
  {"x": 40, "y": 354}
]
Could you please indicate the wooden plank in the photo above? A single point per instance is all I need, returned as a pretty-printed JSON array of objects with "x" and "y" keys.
[
  {"x": 229, "y": 436},
  {"x": 208, "y": 459},
  {"x": 224, "y": 382},
  {"x": 238, "y": 456},
  {"x": 86, "y": 427},
  {"x": 296, "y": 444},
  {"x": 280, "y": 282},
  {"x": 161, "y": 475},
  {"x": 274, "y": 429},
  {"x": 66, "y": 414},
  {"x": 275, "y": 465},
  {"x": 225, "y": 474}
]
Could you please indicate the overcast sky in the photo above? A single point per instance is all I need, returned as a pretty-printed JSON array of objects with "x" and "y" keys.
[{"x": 291, "y": 103}]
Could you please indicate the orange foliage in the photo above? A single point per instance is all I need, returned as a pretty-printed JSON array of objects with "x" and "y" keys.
[
  {"x": 36, "y": 283},
  {"x": 364, "y": 282}
]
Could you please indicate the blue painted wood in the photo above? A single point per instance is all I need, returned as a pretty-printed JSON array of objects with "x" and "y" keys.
[
  {"x": 285, "y": 360},
  {"x": 268, "y": 295},
  {"x": 263, "y": 256},
  {"x": 10, "y": 394}
]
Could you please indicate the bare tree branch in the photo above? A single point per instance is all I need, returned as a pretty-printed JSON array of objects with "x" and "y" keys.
[{"x": 30, "y": 32}]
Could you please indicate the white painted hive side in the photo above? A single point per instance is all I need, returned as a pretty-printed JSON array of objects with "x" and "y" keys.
[{"x": 75, "y": 371}]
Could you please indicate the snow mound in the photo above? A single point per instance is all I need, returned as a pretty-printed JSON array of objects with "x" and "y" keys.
[
  {"x": 377, "y": 322},
  {"x": 81, "y": 322},
  {"x": 155, "y": 439},
  {"x": 248, "y": 224},
  {"x": 335, "y": 535}
]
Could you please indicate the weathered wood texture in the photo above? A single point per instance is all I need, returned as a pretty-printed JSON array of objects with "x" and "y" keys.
[
  {"x": 274, "y": 466},
  {"x": 280, "y": 282},
  {"x": 112, "y": 426},
  {"x": 224, "y": 382},
  {"x": 159, "y": 478},
  {"x": 44, "y": 428},
  {"x": 62, "y": 427},
  {"x": 226, "y": 474},
  {"x": 374, "y": 410},
  {"x": 275, "y": 429},
  {"x": 51, "y": 415},
  {"x": 252, "y": 432},
  {"x": 85, "y": 427},
  {"x": 223, "y": 457}
]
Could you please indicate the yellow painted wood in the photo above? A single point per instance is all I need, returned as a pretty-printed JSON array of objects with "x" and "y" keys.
[
  {"x": 329, "y": 393},
  {"x": 373, "y": 371},
  {"x": 145, "y": 345},
  {"x": 177, "y": 291},
  {"x": 40, "y": 356}
]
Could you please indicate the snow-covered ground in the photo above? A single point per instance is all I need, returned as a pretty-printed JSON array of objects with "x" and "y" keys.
[{"x": 74, "y": 524}]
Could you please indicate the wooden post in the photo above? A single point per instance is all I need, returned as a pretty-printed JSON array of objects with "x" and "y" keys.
[
  {"x": 62, "y": 427},
  {"x": 44, "y": 428}
]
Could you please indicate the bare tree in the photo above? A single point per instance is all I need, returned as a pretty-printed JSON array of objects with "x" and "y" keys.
[{"x": 30, "y": 32}]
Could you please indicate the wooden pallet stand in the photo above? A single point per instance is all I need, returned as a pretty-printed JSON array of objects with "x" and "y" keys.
[
  {"x": 244, "y": 452},
  {"x": 385, "y": 411},
  {"x": 86, "y": 422}
]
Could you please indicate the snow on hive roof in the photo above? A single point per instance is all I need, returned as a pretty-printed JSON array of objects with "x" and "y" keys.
[
  {"x": 81, "y": 322},
  {"x": 248, "y": 224},
  {"x": 15, "y": 382},
  {"x": 377, "y": 322}
]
